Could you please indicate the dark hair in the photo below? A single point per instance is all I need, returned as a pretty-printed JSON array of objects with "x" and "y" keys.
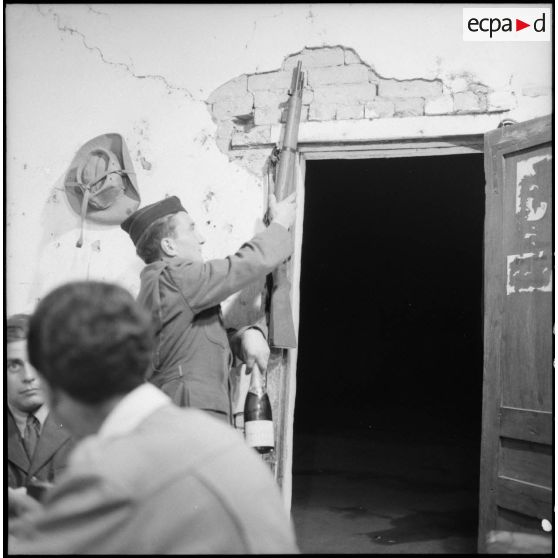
[
  {"x": 149, "y": 244},
  {"x": 17, "y": 327},
  {"x": 91, "y": 340}
]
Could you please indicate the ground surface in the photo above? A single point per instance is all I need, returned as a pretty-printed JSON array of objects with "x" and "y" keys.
[{"x": 360, "y": 490}]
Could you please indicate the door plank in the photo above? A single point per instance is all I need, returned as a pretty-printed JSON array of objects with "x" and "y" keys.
[
  {"x": 526, "y": 498},
  {"x": 528, "y": 425},
  {"x": 526, "y": 461}
]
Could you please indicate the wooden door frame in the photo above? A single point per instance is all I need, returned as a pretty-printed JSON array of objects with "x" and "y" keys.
[{"x": 436, "y": 146}]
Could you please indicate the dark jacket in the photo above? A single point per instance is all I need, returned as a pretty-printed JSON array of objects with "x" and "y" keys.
[
  {"x": 50, "y": 456},
  {"x": 192, "y": 355}
]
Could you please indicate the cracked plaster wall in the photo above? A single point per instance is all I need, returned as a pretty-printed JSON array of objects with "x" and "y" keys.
[{"x": 148, "y": 72}]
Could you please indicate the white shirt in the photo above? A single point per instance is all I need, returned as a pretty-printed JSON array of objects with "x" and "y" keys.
[{"x": 132, "y": 409}]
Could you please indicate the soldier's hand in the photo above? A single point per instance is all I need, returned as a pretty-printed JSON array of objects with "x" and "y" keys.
[
  {"x": 254, "y": 349},
  {"x": 283, "y": 212}
]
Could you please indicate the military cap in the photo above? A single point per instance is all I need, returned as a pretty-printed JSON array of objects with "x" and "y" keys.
[
  {"x": 137, "y": 223},
  {"x": 17, "y": 327}
]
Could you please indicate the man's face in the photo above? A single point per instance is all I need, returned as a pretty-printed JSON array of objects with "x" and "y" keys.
[
  {"x": 186, "y": 240},
  {"x": 23, "y": 385}
]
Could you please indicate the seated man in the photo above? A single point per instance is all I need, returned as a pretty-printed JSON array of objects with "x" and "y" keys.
[
  {"x": 38, "y": 445},
  {"x": 146, "y": 476}
]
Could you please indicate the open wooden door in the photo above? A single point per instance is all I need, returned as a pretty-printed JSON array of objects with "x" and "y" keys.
[{"x": 517, "y": 433}]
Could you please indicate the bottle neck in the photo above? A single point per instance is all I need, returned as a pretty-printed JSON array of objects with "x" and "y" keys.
[{"x": 256, "y": 381}]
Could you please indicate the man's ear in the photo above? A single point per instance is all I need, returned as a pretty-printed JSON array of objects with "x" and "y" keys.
[{"x": 168, "y": 247}]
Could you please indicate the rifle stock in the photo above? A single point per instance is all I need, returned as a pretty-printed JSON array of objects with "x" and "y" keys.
[{"x": 281, "y": 324}]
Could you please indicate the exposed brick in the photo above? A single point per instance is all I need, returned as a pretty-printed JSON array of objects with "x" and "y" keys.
[
  {"x": 410, "y": 88},
  {"x": 466, "y": 101},
  {"x": 500, "y": 100},
  {"x": 379, "y": 108},
  {"x": 439, "y": 105},
  {"x": 349, "y": 112},
  {"x": 478, "y": 88},
  {"x": 234, "y": 106},
  {"x": 351, "y": 57},
  {"x": 223, "y": 137},
  {"x": 409, "y": 106},
  {"x": 355, "y": 73},
  {"x": 269, "y": 81},
  {"x": 373, "y": 77},
  {"x": 458, "y": 84},
  {"x": 257, "y": 135},
  {"x": 345, "y": 94},
  {"x": 322, "y": 111},
  {"x": 263, "y": 98},
  {"x": 236, "y": 87},
  {"x": 267, "y": 115},
  {"x": 314, "y": 58},
  {"x": 536, "y": 91},
  {"x": 307, "y": 96}
]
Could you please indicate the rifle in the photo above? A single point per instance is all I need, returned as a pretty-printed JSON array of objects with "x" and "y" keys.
[{"x": 281, "y": 325}]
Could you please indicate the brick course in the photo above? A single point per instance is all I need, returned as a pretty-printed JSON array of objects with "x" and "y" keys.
[
  {"x": 313, "y": 58},
  {"x": 236, "y": 87},
  {"x": 467, "y": 101},
  {"x": 339, "y": 85},
  {"x": 345, "y": 94},
  {"x": 270, "y": 81},
  {"x": 379, "y": 108},
  {"x": 233, "y": 106},
  {"x": 409, "y": 89},
  {"x": 355, "y": 73},
  {"x": 439, "y": 105},
  {"x": 409, "y": 106}
]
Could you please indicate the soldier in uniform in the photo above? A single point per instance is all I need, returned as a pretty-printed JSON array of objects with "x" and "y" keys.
[{"x": 192, "y": 356}]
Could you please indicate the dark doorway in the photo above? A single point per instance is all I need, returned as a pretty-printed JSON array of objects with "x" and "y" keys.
[{"x": 389, "y": 374}]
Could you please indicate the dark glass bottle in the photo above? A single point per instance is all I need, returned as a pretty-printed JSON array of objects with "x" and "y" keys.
[{"x": 258, "y": 422}]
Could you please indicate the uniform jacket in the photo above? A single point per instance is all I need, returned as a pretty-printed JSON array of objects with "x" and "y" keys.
[
  {"x": 181, "y": 482},
  {"x": 50, "y": 456},
  {"x": 192, "y": 356}
]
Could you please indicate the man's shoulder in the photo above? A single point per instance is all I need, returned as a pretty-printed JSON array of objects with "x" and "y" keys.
[{"x": 156, "y": 450}]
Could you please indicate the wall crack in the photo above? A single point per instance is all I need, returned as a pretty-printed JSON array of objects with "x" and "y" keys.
[{"x": 129, "y": 68}]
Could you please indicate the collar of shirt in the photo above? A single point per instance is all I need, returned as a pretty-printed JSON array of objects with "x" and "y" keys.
[
  {"x": 132, "y": 409},
  {"x": 21, "y": 418}
]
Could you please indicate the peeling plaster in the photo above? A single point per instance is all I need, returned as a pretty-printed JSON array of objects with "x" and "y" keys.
[
  {"x": 528, "y": 272},
  {"x": 146, "y": 165},
  {"x": 207, "y": 200},
  {"x": 127, "y": 67}
]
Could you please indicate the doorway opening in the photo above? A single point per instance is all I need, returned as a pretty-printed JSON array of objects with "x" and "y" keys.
[{"x": 387, "y": 423}]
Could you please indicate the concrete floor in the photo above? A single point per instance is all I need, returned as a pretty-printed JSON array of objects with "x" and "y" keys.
[{"x": 363, "y": 490}]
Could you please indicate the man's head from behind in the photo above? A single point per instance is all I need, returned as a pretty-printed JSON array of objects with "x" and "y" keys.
[
  {"x": 23, "y": 389},
  {"x": 91, "y": 343}
]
